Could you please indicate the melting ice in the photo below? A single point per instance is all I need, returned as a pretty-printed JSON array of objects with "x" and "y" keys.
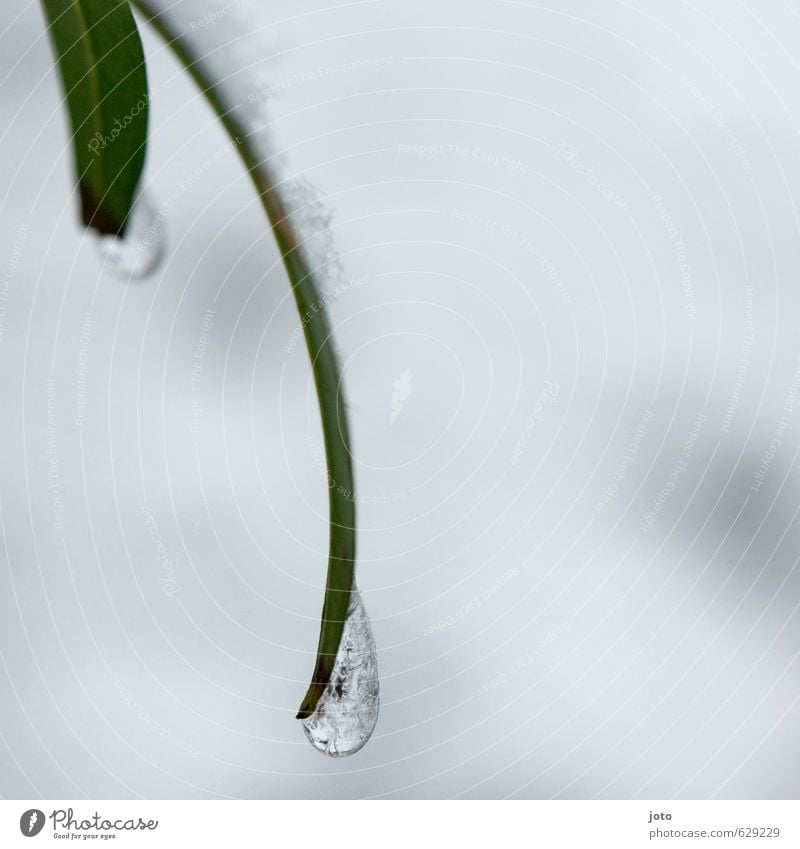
[
  {"x": 348, "y": 709},
  {"x": 139, "y": 251}
]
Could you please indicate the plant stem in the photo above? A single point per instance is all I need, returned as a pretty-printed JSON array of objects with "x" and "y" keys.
[{"x": 324, "y": 363}]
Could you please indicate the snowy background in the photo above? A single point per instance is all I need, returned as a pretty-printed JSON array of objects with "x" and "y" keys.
[{"x": 569, "y": 231}]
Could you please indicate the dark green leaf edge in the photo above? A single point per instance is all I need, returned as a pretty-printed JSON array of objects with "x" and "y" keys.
[{"x": 102, "y": 66}]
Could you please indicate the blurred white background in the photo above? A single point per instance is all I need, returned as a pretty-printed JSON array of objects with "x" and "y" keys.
[{"x": 573, "y": 228}]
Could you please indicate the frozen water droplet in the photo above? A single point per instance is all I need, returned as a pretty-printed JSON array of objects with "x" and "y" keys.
[
  {"x": 140, "y": 250},
  {"x": 348, "y": 709}
]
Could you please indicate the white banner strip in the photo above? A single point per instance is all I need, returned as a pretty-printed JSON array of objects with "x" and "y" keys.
[{"x": 345, "y": 824}]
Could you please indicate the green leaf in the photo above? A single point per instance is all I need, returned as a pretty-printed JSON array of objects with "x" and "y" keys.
[
  {"x": 341, "y": 498},
  {"x": 324, "y": 362},
  {"x": 102, "y": 68}
]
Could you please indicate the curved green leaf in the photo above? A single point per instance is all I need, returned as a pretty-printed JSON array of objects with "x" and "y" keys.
[
  {"x": 324, "y": 362},
  {"x": 102, "y": 67}
]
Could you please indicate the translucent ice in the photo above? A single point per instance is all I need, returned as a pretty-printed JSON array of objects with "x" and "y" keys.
[
  {"x": 348, "y": 709},
  {"x": 140, "y": 250}
]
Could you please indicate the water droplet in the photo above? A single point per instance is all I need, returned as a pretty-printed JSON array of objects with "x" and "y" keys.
[
  {"x": 348, "y": 709},
  {"x": 141, "y": 249}
]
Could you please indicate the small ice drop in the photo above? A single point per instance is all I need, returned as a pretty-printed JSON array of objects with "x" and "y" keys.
[{"x": 347, "y": 711}]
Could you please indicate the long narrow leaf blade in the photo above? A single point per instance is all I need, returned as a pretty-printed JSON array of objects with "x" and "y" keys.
[
  {"x": 102, "y": 67},
  {"x": 324, "y": 362}
]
